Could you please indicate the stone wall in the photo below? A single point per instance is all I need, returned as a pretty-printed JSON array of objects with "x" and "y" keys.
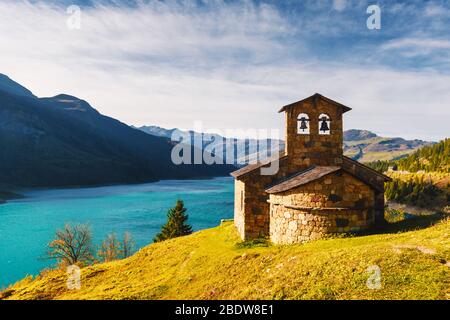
[
  {"x": 253, "y": 219},
  {"x": 239, "y": 201},
  {"x": 256, "y": 208},
  {"x": 296, "y": 226},
  {"x": 336, "y": 203},
  {"x": 375, "y": 180},
  {"x": 313, "y": 148}
]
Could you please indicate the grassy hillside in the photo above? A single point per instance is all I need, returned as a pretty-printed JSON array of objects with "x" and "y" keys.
[{"x": 214, "y": 264}]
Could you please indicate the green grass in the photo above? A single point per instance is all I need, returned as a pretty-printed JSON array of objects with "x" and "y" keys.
[{"x": 215, "y": 264}]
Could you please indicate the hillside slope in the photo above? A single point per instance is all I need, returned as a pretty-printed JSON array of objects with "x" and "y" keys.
[
  {"x": 213, "y": 264},
  {"x": 64, "y": 141},
  {"x": 434, "y": 158},
  {"x": 9, "y": 85},
  {"x": 366, "y": 146}
]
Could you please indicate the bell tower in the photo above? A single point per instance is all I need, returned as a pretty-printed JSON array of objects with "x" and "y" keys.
[{"x": 314, "y": 131}]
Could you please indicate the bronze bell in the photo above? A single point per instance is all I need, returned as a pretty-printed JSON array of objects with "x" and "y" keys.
[
  {"x": 324, "y": 125},
  {"x": 303, "y": 125}
]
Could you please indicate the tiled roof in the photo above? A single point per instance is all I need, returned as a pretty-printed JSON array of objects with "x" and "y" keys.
[
  {"x": 251, "y": 167},
  {"x": 301, "y": 178},
  {"x": 348, "y": 163},
  {"x": 364, "y": 173},
  {"x": 318, "y": 96}
]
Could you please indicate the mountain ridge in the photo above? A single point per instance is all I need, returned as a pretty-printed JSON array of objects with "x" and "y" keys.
[
  {"x": 9, "y": 85},
  {"x": 63, "y": 141},
  {"x": 244, "y": 150},
  {"x": 358, "y": 135},
  {"x": 361, "y": 145}
]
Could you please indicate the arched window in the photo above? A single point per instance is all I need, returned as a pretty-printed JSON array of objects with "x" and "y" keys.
[
  {"x": 324, "y": 124},
  {"x": 303, "y": 123}
]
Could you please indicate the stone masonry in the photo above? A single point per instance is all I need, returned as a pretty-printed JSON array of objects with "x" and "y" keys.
[
  {"x": 316, "y": 190},
  {"x": 333, "y": 204}
]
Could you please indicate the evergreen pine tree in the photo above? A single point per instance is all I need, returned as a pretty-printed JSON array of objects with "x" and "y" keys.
[{"x": 176, "y": 225}]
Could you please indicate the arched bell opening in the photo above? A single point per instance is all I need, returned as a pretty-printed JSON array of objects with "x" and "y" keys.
[
  {"x": 324, "y": 124},
  {"x": 303, "y": 124}
]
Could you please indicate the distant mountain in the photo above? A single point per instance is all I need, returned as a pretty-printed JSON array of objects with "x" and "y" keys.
[
  {"x": 358, "y": 135},
  {"x": 10, "y": 86},
  {"x": 64, "y": 141},
  {"x": 160, "y": 132},
  {"x": 361, "y": 145},
  {"x": 245, "y": 150},
  {"x": 366, "y": 146}
]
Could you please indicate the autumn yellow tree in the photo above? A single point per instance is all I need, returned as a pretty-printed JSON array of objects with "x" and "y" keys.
[
  {"x": 110, "y": 248},
  {"x": 72, "y": 245},
  {"x": 114, "y": 249},
  {"x": 127, "y": 245}
]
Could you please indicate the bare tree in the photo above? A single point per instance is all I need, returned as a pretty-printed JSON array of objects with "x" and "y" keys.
[
  {"x": 110, "y": 249},
  {"x": 72, "y": 245},
  {"x": 127, "y": 245}
]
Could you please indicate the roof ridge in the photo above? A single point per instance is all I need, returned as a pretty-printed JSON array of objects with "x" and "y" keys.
[
  {"x": 309, "y": 176},
  {"x": 251, "y": 167},
  {"x": 289, "y": 177},
  {"x": 317, "y": 95},
  {"x": 366, "y": 167}
]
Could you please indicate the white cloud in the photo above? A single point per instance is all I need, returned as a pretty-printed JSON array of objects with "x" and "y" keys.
[
  {"x": 433, "y": 10},
  {"x": 436, "y": 51},
  {"x": 418, "y": 43},
  {"x": 339, "y": 5},
  {"x": 170, "y": 65}
]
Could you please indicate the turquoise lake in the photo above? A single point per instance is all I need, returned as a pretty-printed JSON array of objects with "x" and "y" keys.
[{"x": 27, "y": 225}]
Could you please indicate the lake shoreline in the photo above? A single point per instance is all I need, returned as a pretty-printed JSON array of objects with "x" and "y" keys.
[
  {"x": 6, "y": 196},
  {"x": 28, "y": 225}
]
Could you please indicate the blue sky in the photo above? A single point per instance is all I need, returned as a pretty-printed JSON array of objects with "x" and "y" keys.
[{"x": 232, "y": 64}]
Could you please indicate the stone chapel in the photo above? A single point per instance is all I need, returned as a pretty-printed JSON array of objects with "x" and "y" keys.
[{"x": 317, "y": 190}]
